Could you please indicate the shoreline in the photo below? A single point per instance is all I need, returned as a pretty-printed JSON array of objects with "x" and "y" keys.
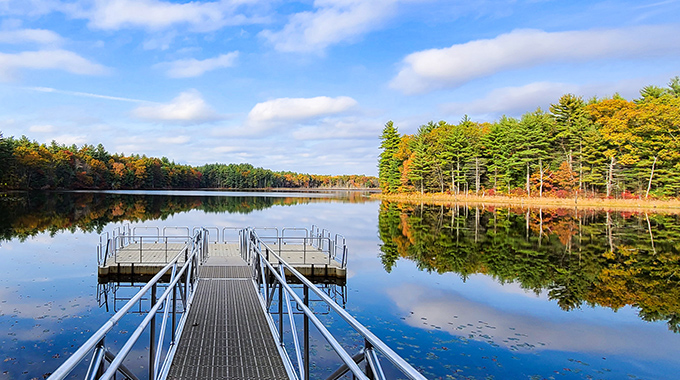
[{"x": 440, "y": 199}]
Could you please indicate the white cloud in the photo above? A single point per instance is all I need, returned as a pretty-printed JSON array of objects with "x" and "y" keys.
[
  {"x": 159, "y": 15},
  {"x": 47, "y": 59},
  {"x": 188, "y": 107},
  {"x": 188, "y": 68},
  {"x": 509, "y": 100},
  {"x": 514, "y": 101},
  {"x": 333, "y": 129},
  {"x": 295, "y": 109},
  {"x": 28, "y": 7},
  {"x": 70, "y": 139},
  {"x": 83, "y": 94},
  {"x": 39, "y": 36},
  {"x": 450, "y": 67},
  {"x": 332, "y": 21},
  {"x": 46, "y": 128},
  {"x": 177, "y": 140}
]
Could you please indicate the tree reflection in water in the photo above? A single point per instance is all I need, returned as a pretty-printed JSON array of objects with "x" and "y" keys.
[
  {"x": 578, "y": 257},
  {"x": 28, "y": 214}
]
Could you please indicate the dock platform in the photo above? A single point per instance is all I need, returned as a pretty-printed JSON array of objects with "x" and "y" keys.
[{"x": 148, "y": 258}]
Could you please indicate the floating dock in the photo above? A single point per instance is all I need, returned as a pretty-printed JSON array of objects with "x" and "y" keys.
[
  {"x": 144, "y": 256},
  {"x": 225, "y": 310}
]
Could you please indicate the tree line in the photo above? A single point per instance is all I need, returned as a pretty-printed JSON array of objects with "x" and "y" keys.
[
  {"x": 29, "y": 165},
  {"x": 609, "y": 147}
]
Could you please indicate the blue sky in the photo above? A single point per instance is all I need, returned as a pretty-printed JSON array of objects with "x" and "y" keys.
[{"x": 308, "y": 85}]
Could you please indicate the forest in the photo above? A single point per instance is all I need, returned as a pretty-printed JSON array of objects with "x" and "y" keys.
[
  {"x": 612, "y": 147},
  {"x": 29, "y": 165}
]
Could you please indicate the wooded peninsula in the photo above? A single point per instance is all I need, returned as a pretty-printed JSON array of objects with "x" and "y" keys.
[
  {"x": 599, "y": 148},
  {"x": 29, "y": 165}
]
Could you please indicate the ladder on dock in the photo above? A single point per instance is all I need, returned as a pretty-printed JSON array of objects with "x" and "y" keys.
[{"x": 230, "y": 315}]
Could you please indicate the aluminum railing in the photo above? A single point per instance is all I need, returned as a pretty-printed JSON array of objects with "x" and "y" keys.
[
  {"x": 271, "y": 280},
  {"x": 122, "y": 237},
  {"x": 180, "y": 290}
]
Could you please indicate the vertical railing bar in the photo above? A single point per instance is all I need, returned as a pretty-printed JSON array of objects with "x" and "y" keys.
[
  {"x": 373, "y": 363},
  {"x": 174, "y": 312},
  {"x": 152, "y": 334},
  {"x": 306, "y": 331},
  {"x": 281, "y": 313},
  {"x": 95, "y": 364},
  {"x": 161, "y": 335},
  {"x": 293, "y": 329}
]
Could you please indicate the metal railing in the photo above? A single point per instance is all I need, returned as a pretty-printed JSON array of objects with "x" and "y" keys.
[
  {"x": 180, "y": 290},
  {"x": 111, "y": 243},
  {"x": 273, "y": 286},
  {"x": 296, "y": 239}
]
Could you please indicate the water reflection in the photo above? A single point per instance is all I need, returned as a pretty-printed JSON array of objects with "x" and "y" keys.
[
  {"x": 578, "y": 257},
  {"x": 29, "y": 214}
]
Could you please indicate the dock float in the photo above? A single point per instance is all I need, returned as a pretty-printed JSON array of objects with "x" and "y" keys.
[{"x": 217, "y": 311}]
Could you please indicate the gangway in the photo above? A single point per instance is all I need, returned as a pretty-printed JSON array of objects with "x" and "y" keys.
[{"x": 231, "y": 317}]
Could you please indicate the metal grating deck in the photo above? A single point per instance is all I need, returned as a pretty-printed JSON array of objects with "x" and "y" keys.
[
  {"x": 224, "y": 272},
  {"x": 226, "y": 335}
]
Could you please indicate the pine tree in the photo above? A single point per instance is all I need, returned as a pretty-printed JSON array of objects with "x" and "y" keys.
[{"x": 388, "y": 167}]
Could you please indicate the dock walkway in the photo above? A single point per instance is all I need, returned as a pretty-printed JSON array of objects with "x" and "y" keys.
[{"x": 227, "y": 335}]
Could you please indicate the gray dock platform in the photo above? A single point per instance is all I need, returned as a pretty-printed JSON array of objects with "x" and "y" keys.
[
  {"x": 226, "y": 335},
  {"x": 149, "y": 258}
]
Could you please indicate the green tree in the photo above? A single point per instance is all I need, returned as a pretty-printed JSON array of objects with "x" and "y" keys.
[
  {"x": 388, "y": 167},
  {"x": 572, "y": 124}
]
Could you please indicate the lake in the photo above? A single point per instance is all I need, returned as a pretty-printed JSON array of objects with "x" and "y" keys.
[{"x": 464, "y": 292}]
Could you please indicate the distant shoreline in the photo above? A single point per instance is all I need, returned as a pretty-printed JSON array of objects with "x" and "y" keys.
[
  {"x": 670, "y": 206},
  {"x": 215, "y": 189}
]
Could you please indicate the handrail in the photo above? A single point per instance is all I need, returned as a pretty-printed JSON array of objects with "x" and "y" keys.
[
  {"x": 335, "y": 345},
  {"x": 183, "y": 280},
  {"x": 224, "y": 233},
  {"x": 372, "y": 341}
]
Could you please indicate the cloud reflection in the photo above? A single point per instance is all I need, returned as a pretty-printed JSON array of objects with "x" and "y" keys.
[{"x": 451, "y": 312}]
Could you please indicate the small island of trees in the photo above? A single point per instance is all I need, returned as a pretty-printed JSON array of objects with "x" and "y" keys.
[{"x": 611, "y": 147}]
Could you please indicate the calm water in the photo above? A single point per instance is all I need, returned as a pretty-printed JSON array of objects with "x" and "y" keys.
[{"x": 459, "y": 292}]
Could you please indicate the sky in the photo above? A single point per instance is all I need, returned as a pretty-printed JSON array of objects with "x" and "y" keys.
[{"x": 308, "y": 86}]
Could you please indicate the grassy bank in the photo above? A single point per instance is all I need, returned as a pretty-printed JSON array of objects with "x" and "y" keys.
[{"x": 655, "y": 205}]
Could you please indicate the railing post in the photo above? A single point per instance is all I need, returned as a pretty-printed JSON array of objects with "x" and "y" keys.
[
  {"x": 96, "y": 369},
  {"x": 306, "y": 331},
  {"x": 174, "y": 312},
  {"x": 281, "y": 313},
  {"x": 152, "y": 342}
]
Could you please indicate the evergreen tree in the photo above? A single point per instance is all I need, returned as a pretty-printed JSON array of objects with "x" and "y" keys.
[{"x": 388, "y": 167}]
